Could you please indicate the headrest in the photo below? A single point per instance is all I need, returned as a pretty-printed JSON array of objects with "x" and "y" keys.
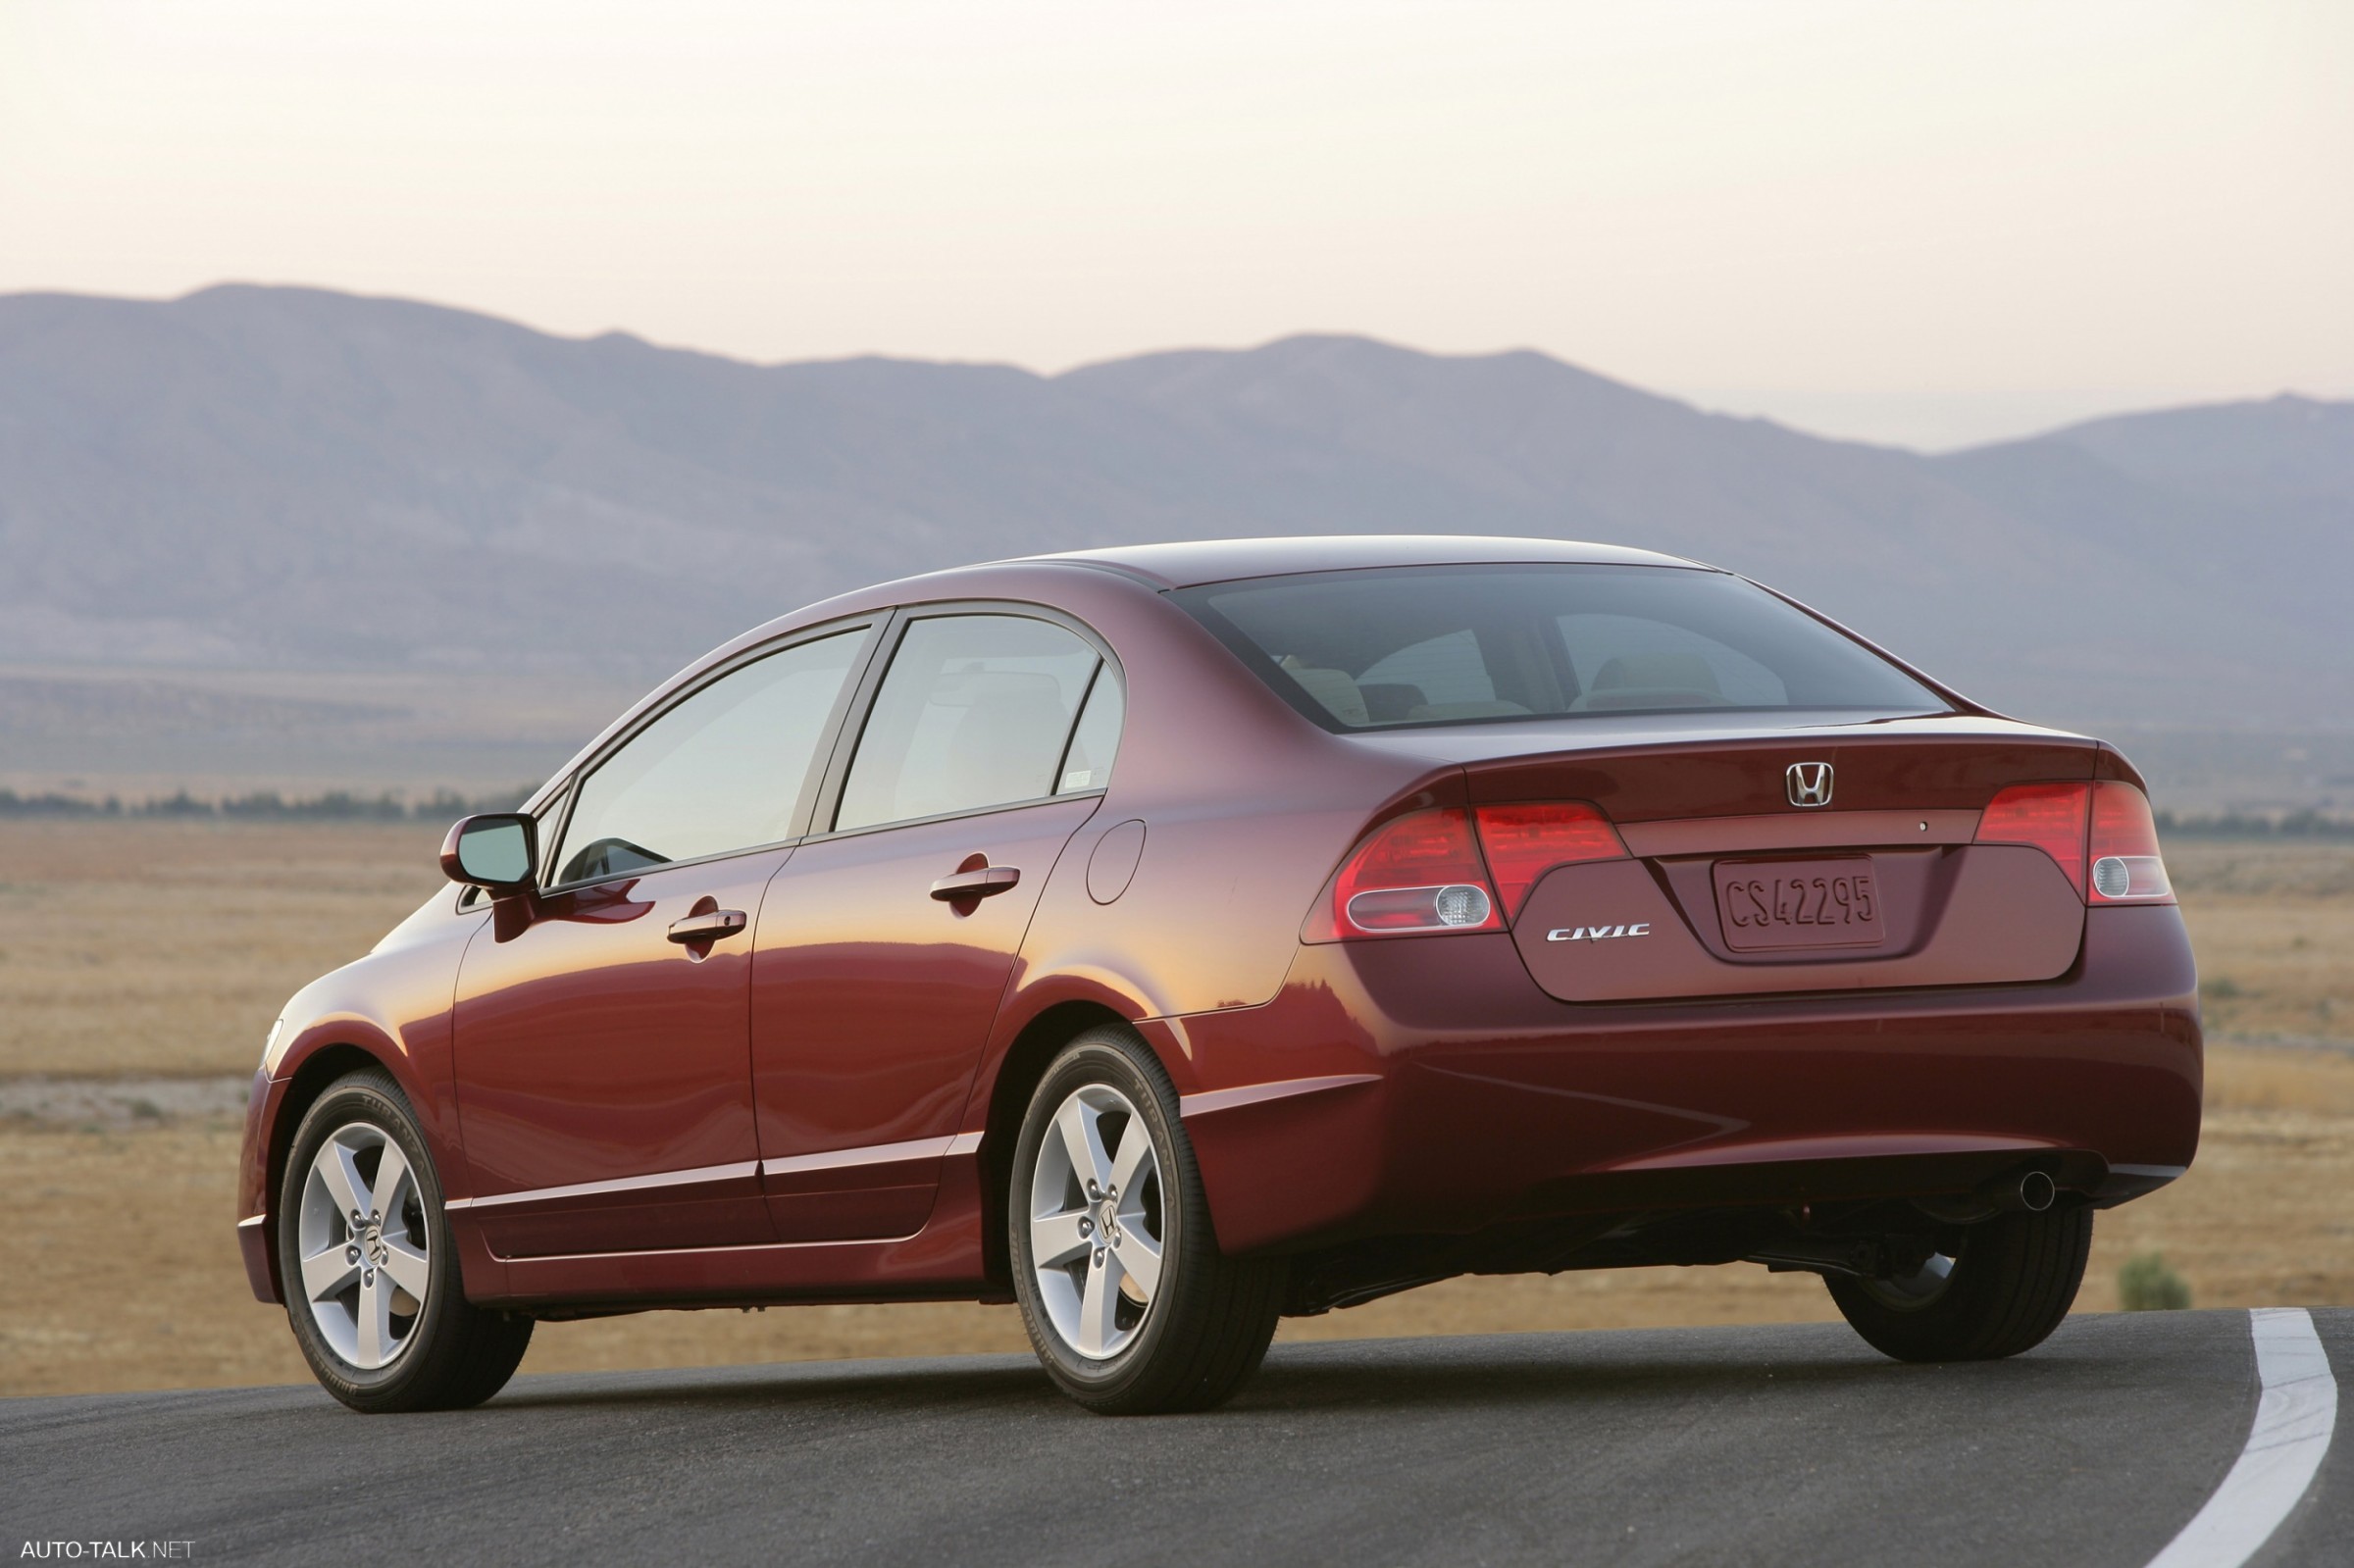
[
  {"x": 1684, "y": 671},
  {"x": 1332, "y": 687}
]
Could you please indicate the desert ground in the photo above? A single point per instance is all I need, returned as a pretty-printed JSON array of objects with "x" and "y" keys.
[{"x": 141, "y": 962}]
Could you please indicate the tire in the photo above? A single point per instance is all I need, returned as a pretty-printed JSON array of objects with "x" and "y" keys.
[
  {"x": 373, "y": 1339},
  {"x": 2005, "y": 1291},
  {"x": 1129, "y": 1303}
]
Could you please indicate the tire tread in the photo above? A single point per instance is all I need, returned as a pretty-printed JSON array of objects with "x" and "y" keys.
[{"x": 2013, "y": 1286}]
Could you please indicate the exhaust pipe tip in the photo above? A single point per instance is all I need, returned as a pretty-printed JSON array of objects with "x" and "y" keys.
[{"x": 2028, "y": 1192}]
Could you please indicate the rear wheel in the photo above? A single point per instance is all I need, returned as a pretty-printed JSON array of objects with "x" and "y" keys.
[
  {"x": 370, "y": 1273},
  {"x": 1128, "y": 1302},
  {"x": 2003, "y": 1290}
]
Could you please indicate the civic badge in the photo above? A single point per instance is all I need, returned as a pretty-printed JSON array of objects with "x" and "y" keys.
[{"x": 1810, "y": 784}]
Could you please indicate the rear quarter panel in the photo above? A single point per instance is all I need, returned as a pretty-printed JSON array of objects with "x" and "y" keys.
[{"x": 1246, "y": 809}]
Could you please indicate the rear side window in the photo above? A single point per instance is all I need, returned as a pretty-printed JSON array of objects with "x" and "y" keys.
[
  {"x": 976, "y": 711},
  {"x": 722, "y": 770},
  {"x": 1429, "y": 646},
  {"x": 1086, "y": 765}
]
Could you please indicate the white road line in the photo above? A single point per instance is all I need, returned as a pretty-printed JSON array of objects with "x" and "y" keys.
[{"x": 2294, "y": 1417}]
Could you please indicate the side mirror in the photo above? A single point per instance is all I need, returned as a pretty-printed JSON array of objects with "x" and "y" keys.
[{"x": 496, "y": 850}]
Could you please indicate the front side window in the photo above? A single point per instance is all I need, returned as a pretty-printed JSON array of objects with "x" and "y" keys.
[
  {"x": 724, "y": 770},
  {"x": 976, "y": 711},
  {"x": 1452, "y": 645}
]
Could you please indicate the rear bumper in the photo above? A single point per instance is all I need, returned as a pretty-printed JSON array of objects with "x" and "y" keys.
[{"x": 1427, "y": 1087}]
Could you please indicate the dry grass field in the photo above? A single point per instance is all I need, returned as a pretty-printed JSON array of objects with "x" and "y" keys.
[
  {"x": 165, "y": 947},
  {"x": 150, "y": 950}
]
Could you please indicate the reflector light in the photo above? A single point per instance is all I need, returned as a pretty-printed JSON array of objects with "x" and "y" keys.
[
  {"x": 1419, "y": 908},
  {"x": 1525, "y": 841},
  {"x": 1461, "y": 906}
]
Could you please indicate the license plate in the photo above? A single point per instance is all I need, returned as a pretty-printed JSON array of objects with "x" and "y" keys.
[{"x": 1766, "y": 904}]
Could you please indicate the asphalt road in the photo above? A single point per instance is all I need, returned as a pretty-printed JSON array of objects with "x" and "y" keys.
[{"x": 1749, "y": 1445}]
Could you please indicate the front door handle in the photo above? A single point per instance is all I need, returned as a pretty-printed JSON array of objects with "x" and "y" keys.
[
  {"x": 707, "y": 926},
  {"x": 981, "y": 882}
]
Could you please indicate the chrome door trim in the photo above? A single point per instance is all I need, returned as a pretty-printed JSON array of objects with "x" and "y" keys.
[
  {"x": 1227, "y": 1099},
  {"x": 739, "y": 1171},
  {"x": 921, "y": 1149},
  {"x": 957, "y": 1146}
]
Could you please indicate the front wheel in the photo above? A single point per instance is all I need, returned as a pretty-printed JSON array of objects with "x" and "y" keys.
[
  {"x": 1126, "y": 1297},
  {"x": 371, "y": 1276},
  {"x": 2003, "y": 1290}
]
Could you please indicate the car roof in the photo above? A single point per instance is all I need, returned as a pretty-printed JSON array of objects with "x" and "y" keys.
[{"x": 1184, "y": 564}]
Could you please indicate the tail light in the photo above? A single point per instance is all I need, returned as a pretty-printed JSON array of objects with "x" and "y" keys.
[
  {"x": 1423, "y": 874},
  {"x": 2049, "y": 816},
  {"x": 2100, "y": 835},
  {"x": 2125, "y": 865},
  {"x": 1413, "y": 875},
  {"x": 1525, "y": 841}
]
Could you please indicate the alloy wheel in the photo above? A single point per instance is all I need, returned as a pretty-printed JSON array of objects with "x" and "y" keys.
[
  {"x": 1097, "y": 1221},
  {"x": 364, "y": 1247}
]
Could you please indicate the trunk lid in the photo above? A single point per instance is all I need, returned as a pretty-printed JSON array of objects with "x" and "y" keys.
[{"x": 1732, "y": 886}]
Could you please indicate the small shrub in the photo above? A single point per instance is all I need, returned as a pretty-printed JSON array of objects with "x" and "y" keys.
[
  {"x": 2146, "y": 1284},
  {"x": 2219, "y": 990}
]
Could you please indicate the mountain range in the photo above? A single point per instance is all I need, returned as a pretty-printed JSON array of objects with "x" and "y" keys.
[{"x": 296, "y": 477}]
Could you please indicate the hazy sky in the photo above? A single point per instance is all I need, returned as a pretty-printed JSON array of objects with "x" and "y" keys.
[{"x": 1928, "y": 223}]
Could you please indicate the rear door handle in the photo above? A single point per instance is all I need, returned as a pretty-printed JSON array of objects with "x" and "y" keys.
[
  {"x": 985, "y": 882},
  {"x": 708, "y": 927}
]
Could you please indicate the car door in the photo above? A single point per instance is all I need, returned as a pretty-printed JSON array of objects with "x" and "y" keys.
[
  {"x": 887, "y": 942},
  {"x": 602, "y": 1025}
]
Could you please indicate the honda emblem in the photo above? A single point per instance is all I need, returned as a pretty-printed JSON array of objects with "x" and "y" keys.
[{"x": 1810, "y": 784}]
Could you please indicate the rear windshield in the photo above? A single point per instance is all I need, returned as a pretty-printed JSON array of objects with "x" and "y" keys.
[{"x": 1428, "y": 646}]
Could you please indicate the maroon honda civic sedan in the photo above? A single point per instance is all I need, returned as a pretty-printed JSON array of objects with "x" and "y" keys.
[{"x": 1170, "y": 940}]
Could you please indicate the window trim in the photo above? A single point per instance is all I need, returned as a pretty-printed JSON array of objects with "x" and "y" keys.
[
  {"x": 846, "y": 741},
  {"x": 1070, "y": 739},
  {"x": 872, "y": 625}
]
